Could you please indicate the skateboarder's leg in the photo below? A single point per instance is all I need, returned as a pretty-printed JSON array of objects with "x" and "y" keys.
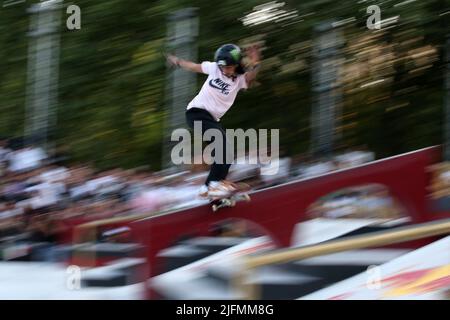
[{"x": 219, "y": 169}]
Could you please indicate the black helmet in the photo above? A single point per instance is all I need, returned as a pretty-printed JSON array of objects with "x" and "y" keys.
[{"x": 228, "y": 55}]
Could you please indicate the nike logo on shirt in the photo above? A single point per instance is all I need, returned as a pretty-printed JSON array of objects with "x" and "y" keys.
[{"x": 220, "y": 85}]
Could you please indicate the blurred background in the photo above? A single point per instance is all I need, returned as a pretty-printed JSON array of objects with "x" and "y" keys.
[
  {"x": 112, "y": 94},
  {"x": 86, "y": 114}
]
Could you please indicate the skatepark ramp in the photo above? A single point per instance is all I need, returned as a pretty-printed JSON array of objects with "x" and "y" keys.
[
  {"x": 276, "y": 211},
  {"x": 249, "y": 264}
]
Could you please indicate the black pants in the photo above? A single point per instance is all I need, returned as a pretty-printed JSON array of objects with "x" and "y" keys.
[{"x": 218, "y": 171}]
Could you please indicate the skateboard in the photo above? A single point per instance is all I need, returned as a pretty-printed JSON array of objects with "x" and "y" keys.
[
  {"x": 230, "y": 201},
  {"x": 241, "y": 194}
]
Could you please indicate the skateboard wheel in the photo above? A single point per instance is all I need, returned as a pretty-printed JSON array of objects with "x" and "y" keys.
[{"x": 215, "y": 208}]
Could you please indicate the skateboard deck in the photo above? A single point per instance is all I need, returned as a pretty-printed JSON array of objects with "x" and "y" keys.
[{"x": 230, "y": 201}]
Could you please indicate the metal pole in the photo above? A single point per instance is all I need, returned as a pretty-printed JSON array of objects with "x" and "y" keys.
[
  {"x": 182, "y": 41},
  {"x": 42, "y": 74},
  {"x": 325, "y": 113}
]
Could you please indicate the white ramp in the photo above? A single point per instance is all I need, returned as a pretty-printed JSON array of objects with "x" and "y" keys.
[
  {"x": 420, "y": 274},
  {"x": 51, "y": 281}
]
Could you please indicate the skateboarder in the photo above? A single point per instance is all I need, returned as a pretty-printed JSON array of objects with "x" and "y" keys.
[{"x": 226, "y": 76}]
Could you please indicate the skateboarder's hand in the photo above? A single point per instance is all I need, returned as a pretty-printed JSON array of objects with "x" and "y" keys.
[
  {"x": 253, "y": 53},
  {"x": 172, "y": 60}
]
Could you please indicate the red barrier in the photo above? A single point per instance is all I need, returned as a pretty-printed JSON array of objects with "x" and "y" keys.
[{"x": 278, "y": 209}]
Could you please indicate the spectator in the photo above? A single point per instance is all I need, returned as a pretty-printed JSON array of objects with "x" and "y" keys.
[
  {"x": 4, "y": 151},
  {"x": 26, "y": 159}
]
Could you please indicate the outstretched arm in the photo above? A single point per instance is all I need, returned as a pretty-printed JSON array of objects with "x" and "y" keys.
[
  {"x": 254, "y": 55},
  {"x": 184, "y": 64}
]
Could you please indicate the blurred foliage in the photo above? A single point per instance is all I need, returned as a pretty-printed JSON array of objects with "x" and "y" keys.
[{"x": 113, "y": 75}]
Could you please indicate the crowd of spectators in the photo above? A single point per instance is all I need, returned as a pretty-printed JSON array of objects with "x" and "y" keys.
[{"x": 42, "y": 196}]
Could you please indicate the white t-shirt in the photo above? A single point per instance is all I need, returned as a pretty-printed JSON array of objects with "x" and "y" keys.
[
  {"x": 48, "y": 194},
  {"x": 218, "y": 92},
  {"x": 25, "y": 159},
  {"x": 4, "y": 153},
  {"x": 54, "y": 175}
]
